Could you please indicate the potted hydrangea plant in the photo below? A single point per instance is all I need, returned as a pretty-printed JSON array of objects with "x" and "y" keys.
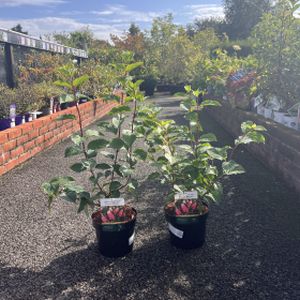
[
  {"x": 109, "y": 156},
  {"x": 189, "y": 163}
]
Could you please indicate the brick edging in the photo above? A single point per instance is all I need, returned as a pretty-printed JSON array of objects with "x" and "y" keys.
[
  {"x": 280, "y": 153},
  {"x": 19, "y": 144}
]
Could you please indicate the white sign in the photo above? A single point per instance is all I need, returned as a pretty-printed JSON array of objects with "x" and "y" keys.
[
  {"x": 175, "y": 231},
  {"x": 186, "y": 195},
  {"x": 131, "y": 239},
  {"x": 112, "y": 202}
]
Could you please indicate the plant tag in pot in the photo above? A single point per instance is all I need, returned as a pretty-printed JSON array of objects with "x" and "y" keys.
[
  {"x": 175, "y": 231},
  {"x": 186, "y": 195},
  {"x": 12, "y": 114},
  {"x": 112, "y": 202},
  {"x": 131, "y": 239}
]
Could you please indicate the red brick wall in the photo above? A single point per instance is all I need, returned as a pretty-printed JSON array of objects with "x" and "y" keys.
[{"x": 24, "y": 141}]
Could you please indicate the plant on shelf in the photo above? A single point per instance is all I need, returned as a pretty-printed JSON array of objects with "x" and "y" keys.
[
  {"x": 7, "y": 97},
  {"x": 109, "y": 156},
  {"x": 192, "y": 167}
]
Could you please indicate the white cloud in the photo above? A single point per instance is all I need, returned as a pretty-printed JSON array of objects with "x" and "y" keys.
[
  {"x": 14, "y": 3},
  {"x": 203, "y": 11},
  {"x": 49, "y": 25},
  {"x": 124, "y": 15}
]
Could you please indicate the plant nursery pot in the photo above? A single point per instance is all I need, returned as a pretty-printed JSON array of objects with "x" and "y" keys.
[
  {"x": 187, "y": 232},
  {"x": 289, "y": 121},
  {"x": 4, "y": 124},
  {"x": 115, "y": 239},
  {"x": 268, "y": 113},
  {"x": 278, "y": 116},
  {"x": 260, "y": 110}
]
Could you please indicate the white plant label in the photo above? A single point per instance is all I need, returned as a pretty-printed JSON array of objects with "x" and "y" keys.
[
  {"x": 131, "y": 239},
  {"x": 175, "y": 231},
  {"x": 112, "y": 202},
  {"x": 186, "y": 195}
]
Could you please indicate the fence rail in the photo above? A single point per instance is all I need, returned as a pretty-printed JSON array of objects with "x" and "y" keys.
[{"x": 20, "y": 39}]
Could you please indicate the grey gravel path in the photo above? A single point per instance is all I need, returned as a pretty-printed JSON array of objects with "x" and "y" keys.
[{"x": 252, "y": 248}]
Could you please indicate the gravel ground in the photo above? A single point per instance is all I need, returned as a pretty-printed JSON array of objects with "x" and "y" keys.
[{"x": 252, "y": 248}]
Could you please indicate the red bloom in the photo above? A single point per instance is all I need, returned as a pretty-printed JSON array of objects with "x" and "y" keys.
[
  {"x": 194, "y": 206},
  {"x": 184, "y": 209},
  {"x": 110, "y": 216},
  {"x": 104, "y": 219},
  {"x": 177, "y": 212}
]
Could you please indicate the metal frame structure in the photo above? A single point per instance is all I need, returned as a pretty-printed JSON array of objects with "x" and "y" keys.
[{"x": 12, "y": 38}]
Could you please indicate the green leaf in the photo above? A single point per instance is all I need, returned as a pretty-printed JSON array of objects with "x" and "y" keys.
[
  {"x": 133, "y": 66},
  {"x": 140, "y": 154},
  {"x": 232, "y": 168},
  {"x": 66, "y": 117},
  {"x": 125, "y": 171},
  {"x": 206, "y": 103},
  {"x": 129, "y": 139},
  {"x": 119, "y": 110},
  {"x": 103, "y": 166},
  {"x": 116, "y": 143},
  {"x": 187, "y": 148},
  {"x": 72, "y": 151},
  {"x": 188, "y": 88},
  {"x": 211, "y": 170},
  {"x": 63, "y": 84},
  {"x": 216, "y": 193},
  {"x": 218, "y": 153},
  {"x": 77, "y": 139},
  {"x": 97, "y": 144},
  {"x": 115, "y": 185},
  {"x": 78, "y": 167},
  {"x": 251, "y": 137},
  {"x": 70, "y": 196},
  {"x": 91, "y": 133},
  {"x": 66, "y": 98},
  {"x": 208, "y": 138},
  {"x": 80, "y": 81},
  {"x": 154, "y": 176},
  {"x": 108, "y": 154},
  {"x": 133, "y": 185}
]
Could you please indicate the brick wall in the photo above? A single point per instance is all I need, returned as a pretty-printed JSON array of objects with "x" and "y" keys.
[
  {"x": 24, "y": 141},
  {"x": 281, "y": 153}
]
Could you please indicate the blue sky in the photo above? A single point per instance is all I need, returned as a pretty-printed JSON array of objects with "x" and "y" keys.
[{"x": 103, "y": 17}]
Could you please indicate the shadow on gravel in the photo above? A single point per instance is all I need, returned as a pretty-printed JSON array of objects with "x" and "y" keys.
[{"x": 252, "y": 249}]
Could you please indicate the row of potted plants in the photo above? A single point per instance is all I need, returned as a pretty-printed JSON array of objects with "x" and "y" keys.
[
  {"x": 26, "y": 103},
  {"x": 185, "y": 158}
]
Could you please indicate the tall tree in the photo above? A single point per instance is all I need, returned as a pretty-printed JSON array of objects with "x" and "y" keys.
[
  {"x": 242, "y": 15},
  {"x": 133, "y": 40}
]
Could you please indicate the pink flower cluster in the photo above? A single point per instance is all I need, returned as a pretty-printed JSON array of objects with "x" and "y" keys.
[
  {"x": 114, "y": 214},
  {"x": 186, "y": 207}
]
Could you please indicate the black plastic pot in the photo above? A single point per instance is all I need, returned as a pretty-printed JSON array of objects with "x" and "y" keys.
[
  {"x": 187, "y": 232},
  {"x": 115, "y": 239}
]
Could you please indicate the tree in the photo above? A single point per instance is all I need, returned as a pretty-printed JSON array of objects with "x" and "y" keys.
[
  {"x": 81, "y": 39},
  {"x": 157, "y": 42},
  {"x": 276, "y": 45},
  {"x": 133, "y": 40},
  {"x": 18, "y": 28},
  {"x": 242, "y": 15},
  {"x": 217, "y": 24}
]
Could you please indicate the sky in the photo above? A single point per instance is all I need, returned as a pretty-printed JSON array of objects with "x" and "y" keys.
[{"x": 103, "y": 17}]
